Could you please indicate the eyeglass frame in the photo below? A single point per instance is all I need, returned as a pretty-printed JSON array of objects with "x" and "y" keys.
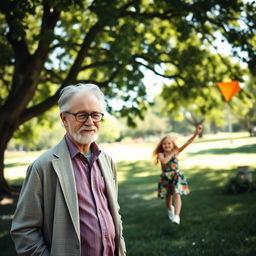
[{"x": 86, "y": 114}]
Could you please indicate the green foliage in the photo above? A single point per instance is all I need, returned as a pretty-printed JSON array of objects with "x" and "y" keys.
[
  {"x": 108, "y": 42},
  {"x": 109, "y": 130},
  {"x": 39, "y": 133},
  {"x": 153, "y": 123},
  {"x": 244, "y": 108}
]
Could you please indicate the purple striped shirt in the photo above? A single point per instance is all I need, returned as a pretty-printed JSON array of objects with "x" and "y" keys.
[{"x": 97, "y": 229}]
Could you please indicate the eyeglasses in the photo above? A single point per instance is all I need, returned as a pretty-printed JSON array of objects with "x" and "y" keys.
[{"x": 83, "y": 117}]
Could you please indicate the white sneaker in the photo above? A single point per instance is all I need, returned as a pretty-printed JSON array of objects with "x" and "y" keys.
[
  {"x": 176, "y": 219},
  {"x": 171, "y": 213}
]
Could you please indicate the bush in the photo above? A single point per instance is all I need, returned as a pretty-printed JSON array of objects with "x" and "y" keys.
[{"x": 236, "y": 185}]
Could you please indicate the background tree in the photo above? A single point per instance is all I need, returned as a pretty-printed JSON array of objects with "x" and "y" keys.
[
  {"x": 110, "y": 130},
  {"x": 48, "y": 44},
  {"x": 244, "y": 110},
  {"x": 155, "y": 122},
  {"x": 38, "y": 133}
]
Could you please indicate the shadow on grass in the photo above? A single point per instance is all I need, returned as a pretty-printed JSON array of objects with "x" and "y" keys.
[
  {"x": 212, "y": 223},
  {"x": 7, "y": 208},
  {"x": 16, "y": 164},
  {"x": 247, "y": 149},
  {"x": 16, "y": 183},
  {"x": 214, "y": 139}
]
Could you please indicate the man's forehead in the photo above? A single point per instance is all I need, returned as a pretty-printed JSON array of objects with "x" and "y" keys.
[{"x": 85, "y": 99}]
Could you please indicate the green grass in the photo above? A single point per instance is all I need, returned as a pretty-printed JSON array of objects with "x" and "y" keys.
[
  {"x": 246, "y": 149},
  {"x": 6, "y": 245},
  {"x": 212, "y": 223}
]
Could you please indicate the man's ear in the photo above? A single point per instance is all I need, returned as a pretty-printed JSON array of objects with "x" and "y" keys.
[{"x": 63, "y": 119}]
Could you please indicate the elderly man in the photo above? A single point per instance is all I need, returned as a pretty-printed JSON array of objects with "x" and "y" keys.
[{"x": 68, "y": 202}]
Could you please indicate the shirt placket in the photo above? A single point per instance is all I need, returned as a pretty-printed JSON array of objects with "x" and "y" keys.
[
  {"x": 87, "y": 172},
  {"x": 95, "y": 179}
]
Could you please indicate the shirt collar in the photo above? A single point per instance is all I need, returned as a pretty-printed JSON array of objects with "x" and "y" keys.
[{"x": 95, "y": 150}]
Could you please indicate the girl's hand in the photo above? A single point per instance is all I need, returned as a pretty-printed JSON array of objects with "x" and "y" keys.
[{"x": 199, "y": 129}]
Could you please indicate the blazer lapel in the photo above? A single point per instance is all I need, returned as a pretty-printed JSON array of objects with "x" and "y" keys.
[
  {"x": 109, "y": 179},
  {"x": 64, "y": 170}
]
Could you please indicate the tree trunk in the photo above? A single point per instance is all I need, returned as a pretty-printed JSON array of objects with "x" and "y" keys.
[
  {"x": 27, "y": 70},
  {"x": 8, "y": 125},
  {"x": 4, "y": 187}
]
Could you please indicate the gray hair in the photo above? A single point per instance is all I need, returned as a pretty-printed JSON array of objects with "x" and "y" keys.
[{"x": 69, "y": 91}]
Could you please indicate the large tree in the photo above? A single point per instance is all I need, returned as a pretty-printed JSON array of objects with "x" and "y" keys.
[{"x": 48, "y": 44}]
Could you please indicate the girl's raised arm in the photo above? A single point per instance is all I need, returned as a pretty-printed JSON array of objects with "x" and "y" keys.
[
  {"x": 190, "y": 140},
  {"x": 164, "y": 159}
]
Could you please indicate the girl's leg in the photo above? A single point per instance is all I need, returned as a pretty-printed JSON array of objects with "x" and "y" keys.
[
  {"x": 168, "y": 200},
  {"x": 177, "y": 204},
  {"x": 169, "y": 206}
]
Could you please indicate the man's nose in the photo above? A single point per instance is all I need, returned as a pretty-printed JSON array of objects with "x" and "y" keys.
[{"x": 88, "y": 120}]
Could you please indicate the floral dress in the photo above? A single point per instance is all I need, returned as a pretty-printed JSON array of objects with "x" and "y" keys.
[{"x": 172, "y": 179}]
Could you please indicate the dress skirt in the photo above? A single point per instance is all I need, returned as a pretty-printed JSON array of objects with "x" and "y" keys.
[{"x": 172, "y": 180}]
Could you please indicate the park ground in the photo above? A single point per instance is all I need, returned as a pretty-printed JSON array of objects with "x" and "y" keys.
[{"x": 213, "y": 222}]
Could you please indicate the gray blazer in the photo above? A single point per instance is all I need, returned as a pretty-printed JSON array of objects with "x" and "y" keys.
[{"x": 46, "y": 221}]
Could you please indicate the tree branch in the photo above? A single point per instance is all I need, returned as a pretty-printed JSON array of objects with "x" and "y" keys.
[
  {"x": 157, "y": 73},
  {"x": 26, "y": 74},
  {"x": 51, "y": 76},
  {"x": 71, "y": 77},
  {"x": 149, "y": 15},
  {"x": 96, "y": 64},
  {"x": 39, "y": 108}
]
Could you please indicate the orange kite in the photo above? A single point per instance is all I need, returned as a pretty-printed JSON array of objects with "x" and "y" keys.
[{"x": 229, "y": 89}]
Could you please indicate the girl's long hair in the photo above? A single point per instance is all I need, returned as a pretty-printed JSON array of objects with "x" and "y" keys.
[{"x": 159, "y": 148}]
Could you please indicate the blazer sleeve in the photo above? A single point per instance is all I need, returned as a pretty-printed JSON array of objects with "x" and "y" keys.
[{"x": 26, "y": 229}]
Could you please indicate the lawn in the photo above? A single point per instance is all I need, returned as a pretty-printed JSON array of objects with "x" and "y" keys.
[{"x": 212, "y": 222}]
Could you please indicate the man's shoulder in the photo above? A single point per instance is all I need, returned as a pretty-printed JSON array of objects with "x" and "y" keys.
[
  {"x": 105, "y": 155},
  {"x": 52, "y": 153},
  {"x": 106, "y": 159}
]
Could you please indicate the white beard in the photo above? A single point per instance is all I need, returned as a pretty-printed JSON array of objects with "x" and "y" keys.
[{"x": 86, "y": 138}]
